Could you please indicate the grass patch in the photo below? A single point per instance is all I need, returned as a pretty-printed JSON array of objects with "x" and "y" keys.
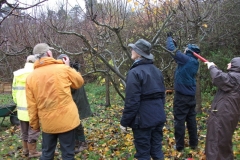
[
  {"x": 5, "y": 99},
  {"x": 104, "y": 137}
]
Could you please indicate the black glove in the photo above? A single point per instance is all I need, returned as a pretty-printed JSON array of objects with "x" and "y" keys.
[
  {"x": 169, "y": 34},
  {"x": 75, "y": 65}
]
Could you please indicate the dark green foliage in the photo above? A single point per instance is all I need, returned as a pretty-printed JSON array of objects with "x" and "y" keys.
[{"x": 221, "y": 59}]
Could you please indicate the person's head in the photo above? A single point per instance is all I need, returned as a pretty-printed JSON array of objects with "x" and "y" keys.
[
  {"x": 234, "y": 65},
  {"x": 42, "y": 50},
  {"x": 229, "y": 66},
  {"x": 31, "y": 59},
  {"x": 64, "y": 58},
  {"x": 192, "y": 47},
  {"x": 141, "y": 48},
  {"x": 73, "y": 64}
]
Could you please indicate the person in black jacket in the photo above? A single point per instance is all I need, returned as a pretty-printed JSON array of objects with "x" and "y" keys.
[
  {"x": 144, "y": 103},
  {"x": 84, "y": 110}
]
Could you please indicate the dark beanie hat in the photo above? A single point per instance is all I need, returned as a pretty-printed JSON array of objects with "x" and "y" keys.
[
  {"x": 194, "y": 48},
  {"x": 61, "y": 56}
]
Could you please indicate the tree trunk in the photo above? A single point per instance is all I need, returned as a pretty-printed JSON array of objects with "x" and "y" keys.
[{"x": 107, "y": 84}]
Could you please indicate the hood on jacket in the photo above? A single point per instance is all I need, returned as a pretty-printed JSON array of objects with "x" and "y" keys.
[
  {"x": 21, "y": 73},
  {"x": 46, "y": 61},
  {"x": 194, "y": 48},
  {"x": 235, "y": 64}
]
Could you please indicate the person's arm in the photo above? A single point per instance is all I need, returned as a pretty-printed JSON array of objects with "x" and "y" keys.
[
  {"x": 32, "y": 109},
  {"x": 179, "y": 57},
  {"x": 221, "y": 79},
  {"x": 14, "y": 92},
  {"x": 132, "y": 99},
  {"x": 171, "y": 45},
  {"x": 75, "y": 77}
]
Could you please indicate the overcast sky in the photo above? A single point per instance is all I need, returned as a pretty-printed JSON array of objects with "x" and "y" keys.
[
  {"x": 72, "y": 3},
  {"x": 51, "y": 4}
]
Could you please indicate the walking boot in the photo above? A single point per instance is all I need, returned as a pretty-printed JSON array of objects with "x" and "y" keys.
[
  {"x": 80, "y": 146},
  {"x": 25, "y": 148},
  {"x": 32, "y": 147}
]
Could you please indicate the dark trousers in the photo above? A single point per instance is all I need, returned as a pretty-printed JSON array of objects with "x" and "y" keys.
[
  {"x": 80, "y": 136},
  {"x": 27, "y": 133},
  {"x": 148, "y": 142},
  {"x": 184, "y": 111},
  {"x": 67, "y": 144}
]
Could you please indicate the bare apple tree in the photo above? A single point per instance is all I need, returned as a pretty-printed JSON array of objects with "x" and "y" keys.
[{"x": 13, "y": 36}]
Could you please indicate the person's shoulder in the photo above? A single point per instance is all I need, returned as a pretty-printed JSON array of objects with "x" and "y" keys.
[
  {"x": 181, "y": 56},
  {"x": 60, "y": 66},
  {"x": 194, "y": 60},
  {"x": 19, "y": 72},
  {"x": 31, "y": 76}
]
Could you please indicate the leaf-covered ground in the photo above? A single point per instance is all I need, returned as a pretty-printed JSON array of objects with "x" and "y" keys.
[{"x": 106, "y": 142}]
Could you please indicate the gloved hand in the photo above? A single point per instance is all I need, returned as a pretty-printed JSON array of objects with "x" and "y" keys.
[
  {"x": 209, "y": 64},
  {"x": 170, "y": 44},
  {"x": 169, "y": 34},
  {"x": 123, "y": 129}
]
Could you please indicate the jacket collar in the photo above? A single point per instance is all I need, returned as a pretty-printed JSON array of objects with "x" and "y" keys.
[
  {"x": 46, "y": 61},
  {"x": 141, "y": 62}
]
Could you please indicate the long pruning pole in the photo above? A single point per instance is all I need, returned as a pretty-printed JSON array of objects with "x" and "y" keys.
[{"x": 199, "y": 57}]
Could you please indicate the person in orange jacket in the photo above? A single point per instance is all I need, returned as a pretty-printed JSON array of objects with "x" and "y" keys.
[
  {"x": 84, "y": 110},
  {"x": 50, "y": 103}
]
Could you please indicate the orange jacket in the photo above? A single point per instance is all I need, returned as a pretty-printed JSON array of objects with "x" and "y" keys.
[{"x": 49, "y": 96}]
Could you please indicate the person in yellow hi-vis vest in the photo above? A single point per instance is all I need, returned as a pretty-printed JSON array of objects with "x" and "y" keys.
[{"x": 29, "y": 136}]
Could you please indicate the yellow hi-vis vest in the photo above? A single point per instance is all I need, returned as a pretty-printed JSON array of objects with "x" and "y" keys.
[{"x": 19, "y": 92}]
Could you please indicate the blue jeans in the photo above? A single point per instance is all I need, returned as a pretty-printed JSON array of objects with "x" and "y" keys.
[
  {"x": 148, "y": 142},
  {"x": 67, "y": 144}
]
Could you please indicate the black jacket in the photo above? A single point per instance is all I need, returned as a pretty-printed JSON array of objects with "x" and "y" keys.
[{"x": 145, "y": 96}]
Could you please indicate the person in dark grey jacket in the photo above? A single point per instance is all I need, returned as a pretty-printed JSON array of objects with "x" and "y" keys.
[
  {"x": 144, "y": 103},
  {"x": 225, "y": 111},
  {"x": 80, "y": 98}
]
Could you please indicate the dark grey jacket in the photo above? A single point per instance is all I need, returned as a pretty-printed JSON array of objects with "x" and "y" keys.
[
  {"x": 145, "y": 96},
  {"x": 81, "y": 100},
  {"x": 224, "y": 113}
]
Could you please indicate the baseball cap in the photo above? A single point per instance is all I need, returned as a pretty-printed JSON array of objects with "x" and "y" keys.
[{"x": 41, "y": 48}]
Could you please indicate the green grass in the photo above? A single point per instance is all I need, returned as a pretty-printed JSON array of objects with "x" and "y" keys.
[
  {"x": 105, "y": 141},
  {"x": 6, "y": 99}
]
